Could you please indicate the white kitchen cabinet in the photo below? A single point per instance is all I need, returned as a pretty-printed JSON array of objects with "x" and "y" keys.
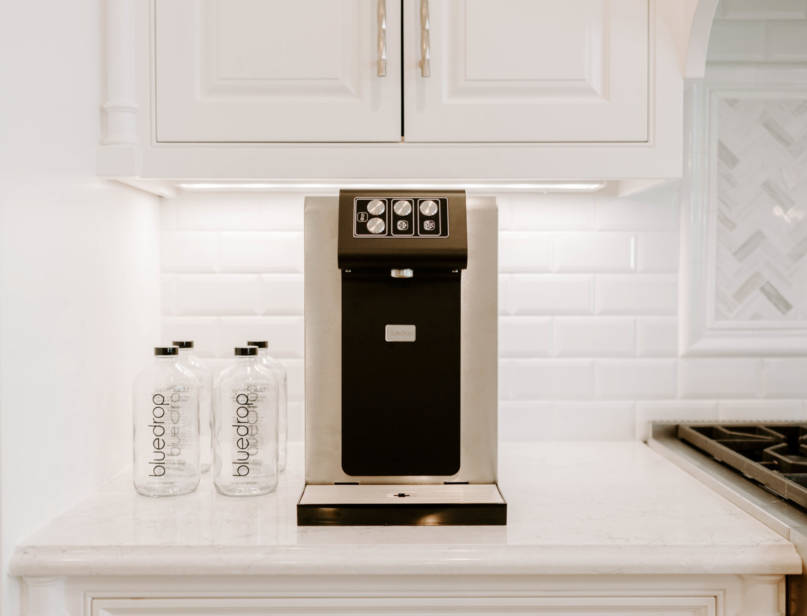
[
  {"x": 511, "y": 70},
  {"x": 274, "y": 70},
  {"x": 518, "y": 91},
  {"x": 526, "y": 70},
  {"x": 406, "y": 595}
]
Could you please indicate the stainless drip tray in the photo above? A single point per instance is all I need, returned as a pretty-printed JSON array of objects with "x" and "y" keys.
[
  {"x": 401, "y": 504},
  {"x": 774, "y": 455}
]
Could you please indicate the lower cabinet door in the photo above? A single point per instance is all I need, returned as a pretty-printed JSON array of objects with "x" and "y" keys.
[{"x": 409, "y": 606}]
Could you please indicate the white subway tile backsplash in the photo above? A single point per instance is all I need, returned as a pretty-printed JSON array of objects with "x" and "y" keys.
[
  {"x": 594, "y": 252},
  {"x": 526, "y": 421},
  {"x": 168, "y": 216},
  {"x": 281, "y": 294},
  {"x": 587, "y": 293},
  {"x": 167, "y": 295},
  {"x": 571, "y": 421},
  {"x": 631, "y": 379},
  {"x": 648, "y": 412},
  {"x": 296, "y": 380},
  {"x": 546, "y": 294},
  {"x": 657, "y": 252},
  {"x": 520, "y": 212},
  {"x": 785, "y": 378},
  {"x": 253, "y": 251},
  {"x": 720, "y": 377},
  {"x": 639, "y": 294},
  {"x": 594, "y": 336},
  {"x": 238, "y": 211},
  {"x": 761, "y": 410},
  {"x": 284, "y": 334},
  {"x": 525, "y": 252},
  {"x": 296, "y": 411},
  {"x": 657, "y": 211},
  {"x": 215, "y": 294},
  {"x": 204, "y": 331},
  {"x": 238, "y": 294},
  {"x": 657, "y": 336},
  {"x": 546, "y": 379},
  {"x": 525, "y": 336},
  {"x": 602, "y": 421}
]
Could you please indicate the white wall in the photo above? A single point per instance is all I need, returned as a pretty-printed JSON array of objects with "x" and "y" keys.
[
  {"x": 588, "y": 311},
  {"x": 79, "y": 269}
]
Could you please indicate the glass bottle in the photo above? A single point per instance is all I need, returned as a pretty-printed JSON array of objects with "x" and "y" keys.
[
  {"x": 188, "y": 358},
  {"x": 245, "y": 427},
  {"x": 279, "y": 371},
  {"x": 166, "y": 427}
]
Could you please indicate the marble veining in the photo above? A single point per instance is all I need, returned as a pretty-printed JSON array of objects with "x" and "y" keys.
[
  {"x": 572, "y": 508},
  {"x": 761, "y": 260}
]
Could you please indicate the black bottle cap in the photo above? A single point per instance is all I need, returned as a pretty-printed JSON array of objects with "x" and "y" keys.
[
  {"x": 260, "y": 344},
  {"x": 172, "y": 350},
  {"x": 183, "y": 344},
  {"x": 246, "y": 351}
]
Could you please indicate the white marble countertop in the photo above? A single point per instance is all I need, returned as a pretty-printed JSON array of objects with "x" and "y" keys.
[{"x": 573, "y": 508}]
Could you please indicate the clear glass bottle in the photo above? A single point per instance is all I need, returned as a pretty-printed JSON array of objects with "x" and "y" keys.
[
  {"x": 189, "y": 359},
  {"x": 166, "y": 427},
  {"x": 245, "y": 427},
  {"x": 279, "y": 371}
]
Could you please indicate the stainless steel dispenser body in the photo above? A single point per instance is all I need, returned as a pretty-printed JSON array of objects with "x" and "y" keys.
[{"x": 465, "y": 472}]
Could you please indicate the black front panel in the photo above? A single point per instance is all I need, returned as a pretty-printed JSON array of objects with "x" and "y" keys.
[
  {"x": 400, "y": 384},
  {"x": 402, "y": 229}
]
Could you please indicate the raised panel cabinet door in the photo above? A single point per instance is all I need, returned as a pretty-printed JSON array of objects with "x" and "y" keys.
[
  {"x": 277, "y": 70},
  {"x": 526, "y": 70}
]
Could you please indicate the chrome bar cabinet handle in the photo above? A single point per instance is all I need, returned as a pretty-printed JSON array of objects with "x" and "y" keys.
[
  {"x": 425, "y": 40},
  {"x": 382, "y": 38}
]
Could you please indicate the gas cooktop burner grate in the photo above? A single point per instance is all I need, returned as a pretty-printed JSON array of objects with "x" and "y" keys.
[{"x": 775, "y": 455}]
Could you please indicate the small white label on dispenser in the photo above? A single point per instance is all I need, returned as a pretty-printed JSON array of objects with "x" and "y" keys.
[{"x": 399, "y": 333}]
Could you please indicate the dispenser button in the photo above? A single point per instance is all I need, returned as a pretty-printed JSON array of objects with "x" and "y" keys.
[
  {"x": 428, "y": 207},
  {"x": 402, "y": 208},
  {"x": 402, "y": 225},
  {"x": 376, "y": 207},
  {"x": 376, "y": 226},
  {"x": 429, "y": 225}
]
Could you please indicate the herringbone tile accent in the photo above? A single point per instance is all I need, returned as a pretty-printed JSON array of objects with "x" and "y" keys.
[{"x": 761, "y": 260}]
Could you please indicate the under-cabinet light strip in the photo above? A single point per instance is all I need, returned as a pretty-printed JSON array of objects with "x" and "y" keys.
[{"x": 471, "y": 186}]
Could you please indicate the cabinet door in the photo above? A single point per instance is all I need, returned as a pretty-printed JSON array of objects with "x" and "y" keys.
[
  {"x": 527, "y": 70},
  {"x": 277, "y": 70}
]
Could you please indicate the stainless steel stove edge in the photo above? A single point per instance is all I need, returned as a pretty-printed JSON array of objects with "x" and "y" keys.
[{"x": 774, "y": 512}]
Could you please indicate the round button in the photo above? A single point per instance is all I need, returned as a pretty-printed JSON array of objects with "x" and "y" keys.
[
  {"x": 402, "y": 208},
  {"x": 376, "y": 207},
  {"x": 375, "y": 225},
  {"x": 428, "y": 208}
]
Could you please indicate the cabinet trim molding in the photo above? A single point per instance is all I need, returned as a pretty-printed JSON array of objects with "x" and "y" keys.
[
  {"x": 582, "y": 604},
  {"x": 120, "y": 108},
  {"x": 701, "y": 333}
]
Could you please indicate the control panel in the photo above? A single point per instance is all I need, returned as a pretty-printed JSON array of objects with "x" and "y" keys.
[{"x": 404, "y": 217}]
